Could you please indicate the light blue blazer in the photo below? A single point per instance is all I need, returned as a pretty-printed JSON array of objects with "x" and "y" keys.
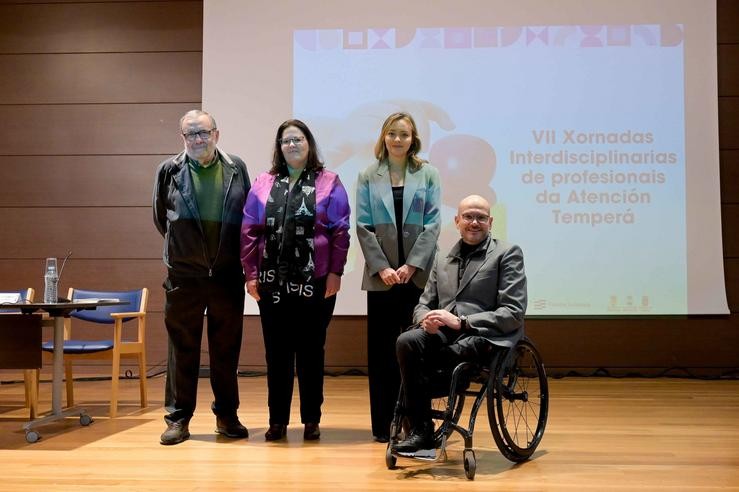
[{"x": 376, "y": 228}]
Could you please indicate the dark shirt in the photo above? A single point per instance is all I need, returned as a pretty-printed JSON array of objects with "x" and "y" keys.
[
  {"x": 466, "y": 251},
  {"x": 398, "y": 203}
]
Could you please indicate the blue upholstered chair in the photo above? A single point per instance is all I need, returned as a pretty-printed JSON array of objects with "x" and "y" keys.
[
  {"x": 30, "y": 376},
  {"x": 111, "y": 348}
]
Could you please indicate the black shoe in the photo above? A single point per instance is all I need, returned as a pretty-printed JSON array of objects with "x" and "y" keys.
[
  {"x": 421, "y": 437},
  {"x": 312, "y": 431},
  {"x": 275, "y": 432},
  {"x": 231, "y": 427},
  {"x": 381, "y": 438},
  {"x": 176, "y": 433}
]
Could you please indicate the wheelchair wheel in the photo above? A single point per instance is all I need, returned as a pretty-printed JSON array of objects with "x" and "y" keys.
[
  {"x": 518, "y": 402},
  {"x": 470, "y": 463},
  {"x": 390, "y": 459}
]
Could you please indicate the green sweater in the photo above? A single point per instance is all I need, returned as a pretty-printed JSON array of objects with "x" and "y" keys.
[{"x": 208, "y": 185}]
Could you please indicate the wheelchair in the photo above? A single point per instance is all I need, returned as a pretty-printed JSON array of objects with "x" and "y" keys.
[{"x": 514, "y": 385}]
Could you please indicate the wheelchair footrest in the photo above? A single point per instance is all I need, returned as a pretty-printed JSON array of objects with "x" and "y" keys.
[
  {"x": 421, "y": 454},
  {"x": 437, "y": 454}
]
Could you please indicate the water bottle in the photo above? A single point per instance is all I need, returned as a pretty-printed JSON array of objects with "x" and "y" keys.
[{"x": 51, "y": 279}]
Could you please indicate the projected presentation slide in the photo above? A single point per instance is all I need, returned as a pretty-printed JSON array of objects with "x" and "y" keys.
[
  {"x": 575, "y": 135},
  {"x": 593, "y": 134}
]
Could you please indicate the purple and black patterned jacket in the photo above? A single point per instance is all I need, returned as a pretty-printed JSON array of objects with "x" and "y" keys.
[{"x": 331, "y": 233}]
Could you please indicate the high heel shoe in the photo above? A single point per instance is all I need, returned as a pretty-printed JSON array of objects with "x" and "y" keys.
[
  {"x": 275, "y": 432},
  {"x": 312, "y": 432}
]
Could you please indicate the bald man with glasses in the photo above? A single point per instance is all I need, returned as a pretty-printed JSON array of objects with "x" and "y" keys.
[{"x": 473, "y": 305}]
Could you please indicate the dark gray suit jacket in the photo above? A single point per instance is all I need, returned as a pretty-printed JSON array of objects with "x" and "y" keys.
[{"x": 492, "y": 292}]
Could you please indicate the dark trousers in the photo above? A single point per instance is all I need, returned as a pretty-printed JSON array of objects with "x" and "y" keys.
[
  {"x": 389, "y": 312},
  {"x": 169, "y": 379},
  {"x": 294, "y": 329},
  {"x": 421, "y": 356},
  {"x": 186, "y": 301}
]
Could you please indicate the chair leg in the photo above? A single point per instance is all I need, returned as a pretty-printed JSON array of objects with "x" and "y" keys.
[
  {"x": 30, "y": 379},
  {"x": 116, "y": 370},
  {"x": 70, "y": 382},
  {"x": 142, "y": 379}
]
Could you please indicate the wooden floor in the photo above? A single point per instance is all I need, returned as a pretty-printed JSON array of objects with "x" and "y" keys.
[{"x": 603, "y": 434}]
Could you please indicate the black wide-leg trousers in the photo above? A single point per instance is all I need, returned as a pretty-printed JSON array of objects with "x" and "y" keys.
[{"x": 389, "y": 312}]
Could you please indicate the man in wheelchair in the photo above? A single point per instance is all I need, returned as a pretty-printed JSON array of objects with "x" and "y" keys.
[{"x": 474, "y": 304}]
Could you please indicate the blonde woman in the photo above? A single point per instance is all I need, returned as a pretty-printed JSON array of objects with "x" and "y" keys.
[{"x": 398, "y": 222}]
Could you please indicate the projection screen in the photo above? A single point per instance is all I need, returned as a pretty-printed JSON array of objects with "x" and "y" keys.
[{"x": 590, "y": 126}]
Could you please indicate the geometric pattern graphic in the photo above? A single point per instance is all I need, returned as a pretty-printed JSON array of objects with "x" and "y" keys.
[
  {"x": 592, "y": 36},
  {"x": 430, "y": 38},
  {"x": 306, "y": 39},
  {"x": 618, "y": 35},
  {"x": 646, "y": 35},
  {"x": 404, "y": 37},
  {"x": 564, "y": 36},
  {"x": 510, "y": 35},
  {"x": 355, "y": 40},
  {"x": 380, "y": 39},
  {"x": 329, "y": 39},
  {"x": 570, "y": 36},
  {"x": 458, "y": 38},
  {"x": 537, "y": 35},
  {"x": 485, "y": 37},
  {"x": 671, "y": 35}
]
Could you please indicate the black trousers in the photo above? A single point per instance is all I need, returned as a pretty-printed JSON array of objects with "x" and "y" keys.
[
  {"x": 389, "y": 312},
  {"x": 169, "y": 380},
  {"x": 421, "y": 355},
  {"x": 294, "y": 327},
  {"x": 187, "y": 299}
]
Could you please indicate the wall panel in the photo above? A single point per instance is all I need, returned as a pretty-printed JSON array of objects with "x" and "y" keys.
[
  {"x": 101, "y": 27},
  {"x": 730, "y": 176},
  {"x": 728, "y": 73},
  {"x": 97, "y": 232},
  {"x": 85, "y": 129},
  {"x": 101, "y": 78},
  {"x": 730, "y": 229},
  {"x": 727, "y": 13},
  {"x": 78, "y": 181},
  {"x": 731, "y": 272},
  {"x": 728, "y": 123},
  {"x": 682, "y": 343}
]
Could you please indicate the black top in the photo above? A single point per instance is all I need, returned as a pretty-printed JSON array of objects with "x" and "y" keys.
[{"x": 398, "y": 203}]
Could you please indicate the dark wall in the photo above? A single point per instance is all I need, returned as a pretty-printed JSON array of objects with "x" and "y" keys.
[{"x": 90, "y": 96}]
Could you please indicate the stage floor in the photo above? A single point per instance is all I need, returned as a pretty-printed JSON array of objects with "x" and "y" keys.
[{"x": 602, "y": 434}]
